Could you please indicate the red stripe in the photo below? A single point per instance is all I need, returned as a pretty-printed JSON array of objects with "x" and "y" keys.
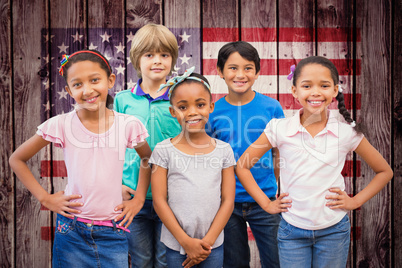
[
  {"x": 268, "y": 66},
  {"x": 42, "y": 207},
  {"x": 46, "y": 232},
  {"x": 288, "y": 102},
  {"x": 220, "y": 34},
  {"x": 294, "y": 34},
  {"x": 59, "y": 168}
]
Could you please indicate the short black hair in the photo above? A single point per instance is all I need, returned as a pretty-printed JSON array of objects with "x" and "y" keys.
[{"x": 245, "y": 50}]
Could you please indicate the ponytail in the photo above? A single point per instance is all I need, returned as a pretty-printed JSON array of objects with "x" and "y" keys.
[{"x": 345, "y": 113}]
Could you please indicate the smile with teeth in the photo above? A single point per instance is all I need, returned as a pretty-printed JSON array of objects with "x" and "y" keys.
[
  {"x": 192, "y": 122},
  {"x": 91, "y": 100},
  {"x": 240, "y": 83},
  {"x": 315, "y": 102}
]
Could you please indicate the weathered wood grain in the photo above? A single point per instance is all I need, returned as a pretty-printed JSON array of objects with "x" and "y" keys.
[
  {"x": 223, "y": 18},
  {"x": 29, "y": 18},
  {"x": 373, "y": 19},
  {"x": 7, "y": 191},
  {"x": 138, "y": 14},
  {"x": 333, "y": 18},
  {"x": 294, "y": 44},
  {"x": 185, "y": 24},
  {"x": 108, "y": 17},
  {"x": 396, "y": 184}
]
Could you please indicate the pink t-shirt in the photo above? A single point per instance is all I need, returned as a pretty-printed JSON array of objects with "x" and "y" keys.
[
  {"x": 310, "y": 166},
  {"x": 94, "y": 161}
]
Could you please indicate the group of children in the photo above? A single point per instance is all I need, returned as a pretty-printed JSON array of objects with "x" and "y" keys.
[{"x": 212, "y": 167}]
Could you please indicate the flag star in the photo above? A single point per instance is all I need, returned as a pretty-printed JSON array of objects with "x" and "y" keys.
[
  {"x": 130, "y": 37},
  {"x": 131, "y": 84},
  {"x": 77, "y": 37},
  {"x": 47, "y": 106},
  {"x": 184, "y": 37},
  {"x": 46, "y": 59},
  {"x": 120, "y": 48},
  {"x": 128, "y": 60},
  {"x": 120, "y": 69},
  {"x": 63, "y": 48},
  {"x": 62, "y": 94},
  {"x": 47, "y": 37},
  {"x": 184, "y": 59},
  {"x": 105, "y": 37},
  {"x": 92, "y": 46}
]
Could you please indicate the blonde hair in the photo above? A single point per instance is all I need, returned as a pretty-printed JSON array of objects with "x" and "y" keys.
[{"x": 153, "y": 37}]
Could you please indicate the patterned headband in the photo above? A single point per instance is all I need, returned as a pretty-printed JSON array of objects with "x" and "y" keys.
[
  {"x": 65, "y": 58},
  {"x": 174, "y": 81}
]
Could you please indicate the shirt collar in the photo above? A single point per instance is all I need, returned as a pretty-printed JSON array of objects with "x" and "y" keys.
[
  {"x": 137, "y": 90},
  {"x": 295, "y": 126}
]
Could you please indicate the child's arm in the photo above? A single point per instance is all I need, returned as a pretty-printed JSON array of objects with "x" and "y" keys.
[
  {"x": 383, "y": 175},
  {"x": 251, "y": 156},
  {"x": 228, "y": 191},
  {"x": 276, "y": 161},
  {"x": 57, "y": 202},
  {"x": 132, "y": 207},
  {"x": 196, "y": 249}
]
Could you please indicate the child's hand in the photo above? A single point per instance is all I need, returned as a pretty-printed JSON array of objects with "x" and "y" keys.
[
  {"x": 127, "y": 192},
  {"x": 340, "y": 200},
  {"x": 130, "y": 209},
  {"x": 197, "y": 251},
  {"x": 60, "y": 203},
  {"x": 279, "y": 205}
]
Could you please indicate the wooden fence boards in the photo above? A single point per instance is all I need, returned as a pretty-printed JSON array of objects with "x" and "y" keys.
[
  {"x": 396, "y": 184},
  {"x": 284, "y": 32},
  {"x": 373, "y": 19},
  {"x": 7, "y": 246},
  {"x": 334, "y": 22},
  {"x": 29, "y": 18}
]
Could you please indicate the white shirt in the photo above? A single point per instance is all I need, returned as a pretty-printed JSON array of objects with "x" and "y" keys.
[{"x": 310, "y": 166}]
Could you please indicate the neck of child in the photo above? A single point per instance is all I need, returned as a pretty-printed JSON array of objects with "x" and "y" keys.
[
  {"x": 197, "y": 140},
  {"x": 151, "y": 87},
  {"x": 98, "y": 121},
  {"x": 314, "y": 122},
  {"x": 239, "y": 99}
]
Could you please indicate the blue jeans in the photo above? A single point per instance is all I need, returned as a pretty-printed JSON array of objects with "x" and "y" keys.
[
  {"x": 264, "y": 227},
  {"x": 214, "y": 260},
  {"x": 79, "y": 245},
  {"x": 144, "y": 245},
  {"x": 327, "y": 247}
]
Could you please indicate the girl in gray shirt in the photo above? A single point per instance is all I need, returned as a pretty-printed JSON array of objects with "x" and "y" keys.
[{"x": 193, "y": 183}]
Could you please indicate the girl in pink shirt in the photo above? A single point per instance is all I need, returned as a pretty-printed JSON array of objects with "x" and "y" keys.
[
  {"x": 91, "y": 215},
  {"x": 313, "y": 145}
]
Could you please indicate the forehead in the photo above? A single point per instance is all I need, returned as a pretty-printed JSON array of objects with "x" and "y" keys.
[
  {"x": 190, "y": 90},
  {"x": 236, "y": 59},
  {"x": 315, "y": 71},
  {"x": 84, "y": 68}
]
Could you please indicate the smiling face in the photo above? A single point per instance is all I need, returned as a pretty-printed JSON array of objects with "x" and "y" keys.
[
  {"x": 314, "y": 89},
  {"x": 155, "y": 66},
  {"x": 88, "y": 85},
  {"x": 239, "y": 74},
  {"x": 191, "y": 105}
]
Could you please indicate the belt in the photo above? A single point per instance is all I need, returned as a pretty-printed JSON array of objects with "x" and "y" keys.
[{"x": 108, "y": 223}]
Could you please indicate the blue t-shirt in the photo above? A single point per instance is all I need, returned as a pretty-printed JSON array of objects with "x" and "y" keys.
[{"x": 240, "y": 126}]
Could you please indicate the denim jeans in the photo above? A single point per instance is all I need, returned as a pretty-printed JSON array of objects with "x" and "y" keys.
[
  {"x": 264, "y": 227},
  {"x": 327, "y": 247},
  {"x": 214, "y": 260},
  {"x": 144, "y": 245},
  {"x": 79, "y": 245}
]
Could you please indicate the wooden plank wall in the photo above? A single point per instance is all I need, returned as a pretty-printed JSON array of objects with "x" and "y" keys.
[{"x": 361, "y": 36}]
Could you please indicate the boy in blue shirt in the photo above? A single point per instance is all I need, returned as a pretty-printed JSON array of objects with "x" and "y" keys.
[{"x": 239, "y": 119}]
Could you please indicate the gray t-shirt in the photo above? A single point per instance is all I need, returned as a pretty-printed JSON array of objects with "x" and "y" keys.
[{"x": 194, "y": 188}]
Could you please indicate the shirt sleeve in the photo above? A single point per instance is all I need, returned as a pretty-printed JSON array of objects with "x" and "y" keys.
[
  {"x": 270, "y": 132},
  {"x": 229, "y": 159},
  {"x": 137, "y": 132},
  {"x": 355, "y": 140},
  {"x": 53, "y": 130},
  {"x": 159, "y": 157},
  {"x": 279, "y": 111}
]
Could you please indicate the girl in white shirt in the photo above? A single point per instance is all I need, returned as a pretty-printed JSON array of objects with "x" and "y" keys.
[{"x": 313, "y": 144}]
